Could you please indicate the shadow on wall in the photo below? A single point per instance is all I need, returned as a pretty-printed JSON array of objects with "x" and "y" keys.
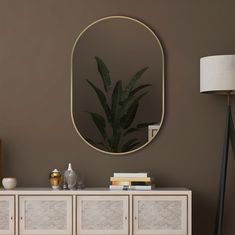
[{"x": 201, "y": 202}]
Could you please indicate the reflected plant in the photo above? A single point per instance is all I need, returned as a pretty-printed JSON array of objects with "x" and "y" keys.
[{"x": 120, "y": 106}]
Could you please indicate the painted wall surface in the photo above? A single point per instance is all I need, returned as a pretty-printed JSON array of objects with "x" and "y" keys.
[{"x": 36, "y": 39}]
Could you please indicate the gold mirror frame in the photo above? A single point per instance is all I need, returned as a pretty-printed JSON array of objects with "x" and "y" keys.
[{"x": 163, "y": 83}]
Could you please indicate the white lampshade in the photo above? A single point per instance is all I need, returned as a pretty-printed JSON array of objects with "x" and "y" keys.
[{"x": 217, "y": 74}]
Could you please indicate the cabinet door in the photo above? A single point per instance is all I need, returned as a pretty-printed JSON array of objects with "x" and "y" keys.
[
  {"x": 160, "y": 215},
  {"x": 7, "y": 215},
  {"x": 46, "y": 215},
  {"x": 102, "y": 215}
]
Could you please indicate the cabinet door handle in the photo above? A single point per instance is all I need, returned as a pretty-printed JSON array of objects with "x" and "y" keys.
[
  {"x": 135, "y": 217},
  {"x": 125, "y": 217},
  {"x": 21, "y": 217},
  {"x": 11, "y": 217}
]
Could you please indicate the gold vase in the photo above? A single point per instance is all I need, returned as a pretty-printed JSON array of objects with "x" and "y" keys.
[{"x": 55, "y": 179}]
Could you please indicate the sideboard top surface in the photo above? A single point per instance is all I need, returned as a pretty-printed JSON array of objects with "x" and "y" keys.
[{"x": 94, "y": 191}]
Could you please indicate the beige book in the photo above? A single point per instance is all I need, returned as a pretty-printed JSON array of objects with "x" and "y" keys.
[
  {"x": 131, "y": 179},
  {"x": 121, "y": 183}
]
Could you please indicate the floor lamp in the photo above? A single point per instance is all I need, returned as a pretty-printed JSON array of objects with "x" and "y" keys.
[{"x": 217, "y": 76}]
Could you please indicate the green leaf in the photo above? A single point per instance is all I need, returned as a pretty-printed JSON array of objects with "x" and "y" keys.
[
  {"x": 100, "y": 123},
  {"x": 131, "y": 84},
  {"x": 130, "y": 145},
  {"x": 104, "y": 73},
  {"x": 146, "y": 124},
  {"x": 133, "y": 92},
  {"x": 130, "y": 116},
  {"x": 115, "y": 103},
  {"x": 114, "y": 142},
  {"x": 127, "y": 105},
  {"x": 102, "y": 98},
  {"x": 97, "y": 144},
  {"x": 138, "y": 128},
  {"x": 131, "y": 130}
]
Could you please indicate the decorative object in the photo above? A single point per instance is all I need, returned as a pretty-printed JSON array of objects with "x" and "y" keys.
[
  {"x": 121, "y": 59},
  {"x": 96, "y": 211},
  {"x": 152, "y": 131},
  {"x": 217, "y": 76},
  {"x": 131, "y": 181},
  {"x": 9, "y": 183},
  {"x": 124, "y": 107},
  {"x": 80, "y": 182},
  {"x": 55, "y": 179},
  {"x": 70, "y": 178}
]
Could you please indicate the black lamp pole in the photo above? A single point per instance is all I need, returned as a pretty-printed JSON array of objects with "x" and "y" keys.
[{"x": 229, "y": 135}]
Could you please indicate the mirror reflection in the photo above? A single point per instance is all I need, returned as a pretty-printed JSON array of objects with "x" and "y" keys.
[{"x": 117, "y": 85}]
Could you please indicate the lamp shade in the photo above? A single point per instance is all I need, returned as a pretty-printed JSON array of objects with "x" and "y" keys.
[{"x": 217, "y": 74}]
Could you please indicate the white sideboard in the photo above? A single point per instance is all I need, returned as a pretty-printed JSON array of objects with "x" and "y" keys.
[
  {"x": 41, "y": 211},
  {"x": 7, "y": 214}
]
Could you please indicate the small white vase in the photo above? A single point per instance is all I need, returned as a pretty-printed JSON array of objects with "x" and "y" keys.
[{"x": 9, "y": 183}]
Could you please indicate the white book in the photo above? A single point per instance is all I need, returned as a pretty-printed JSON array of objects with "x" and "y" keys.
[
  {"x": 131, "y": 187},
  {"x": 118, "y": 187},
  {"x": 130, "y": 175},
  {"x": 141, "y": 187}
]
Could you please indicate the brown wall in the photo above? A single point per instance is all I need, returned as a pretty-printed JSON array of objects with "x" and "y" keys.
[{"x": 36, "y": 38}]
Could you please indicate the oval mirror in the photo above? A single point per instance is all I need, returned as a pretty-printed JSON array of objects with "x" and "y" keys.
[{"x": 117, "y": 85}]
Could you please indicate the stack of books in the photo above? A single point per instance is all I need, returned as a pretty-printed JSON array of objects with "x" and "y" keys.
[{"x": 130, "y": 181}]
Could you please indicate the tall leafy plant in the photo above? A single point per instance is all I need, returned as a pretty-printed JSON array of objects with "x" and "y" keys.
[{"x": 120, "y": 106}]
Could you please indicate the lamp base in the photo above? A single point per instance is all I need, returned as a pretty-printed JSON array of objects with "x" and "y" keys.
[{"x": 229, "y": 135}]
